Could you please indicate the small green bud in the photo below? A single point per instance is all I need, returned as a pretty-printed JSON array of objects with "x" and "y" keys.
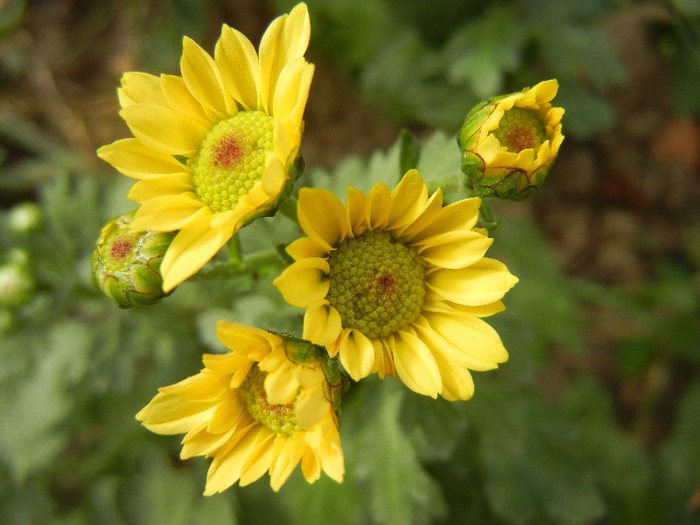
[
  {"x": 16, "y": 283},
  {"x": 126, "y": 264},
  {"x": 24, "y": 218},
  {"x": 509, "y": 142}
]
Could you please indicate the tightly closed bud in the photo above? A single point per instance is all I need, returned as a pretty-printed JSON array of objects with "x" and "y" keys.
[
  {"x": 509, "y": 142},
  {"x": 16, "y": 280},
  {"x": 126, "y": 264}
]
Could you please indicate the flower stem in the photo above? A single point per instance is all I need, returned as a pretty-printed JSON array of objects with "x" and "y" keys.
[{"x": 254, "y": 263}]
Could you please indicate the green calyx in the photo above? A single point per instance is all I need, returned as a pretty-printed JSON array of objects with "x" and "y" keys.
[
  {"x": 280, "y": 419},
  {"x": 376, "y": 284},
  {"x": 231, "y": 159},
  {"x": 126, "y": 265}
]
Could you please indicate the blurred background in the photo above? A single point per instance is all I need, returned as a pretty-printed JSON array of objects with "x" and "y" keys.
[{"x": 595, "y": 418}]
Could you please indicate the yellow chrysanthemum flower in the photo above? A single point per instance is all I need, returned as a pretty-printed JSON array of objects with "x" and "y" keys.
[
  {"x": 509, "y": 142},
  {"x": 397, "y": 283},
  {"x": 269, "y": 404},
  {"x": 219, "y": 146}
]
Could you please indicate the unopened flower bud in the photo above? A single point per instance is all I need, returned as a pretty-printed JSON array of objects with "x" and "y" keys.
[
  {"x": 16, "y": 283},
  {"x": 509, "y": 142},
  {"x": 126, "y": 264}
]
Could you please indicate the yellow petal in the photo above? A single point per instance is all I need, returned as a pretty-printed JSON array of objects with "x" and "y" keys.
[
  {"x": 415, "y": 364},
  {"x": 322, "y": 324},
  {"x": 478, "y": 344},
  {"x": 174, "y": 184},
  {"x": 164, "y": 129},
  {"x": 322, "y": 217},
  {"x": 286, "y": 38},
  {"x": 305, "y": 247},
  {"x": 426, "y": 217},
  {"x": 136, "y": 160},
  {"x": 460, "y": 215},
  {"x": 226, "y": 415},
  {"x": 456, "y": 249},
  {"x": 378, "y": 206},
  {"x": 258, "y": 460},
  {"x": 289, "y": 103},
  {"x": 172, "y": 414},
  {"x": 304, "y": 282},
  {"x": 178, "y": 96},
  {"x": 280, "y": 388},
  {"x": 140, "y": 87},
  {"x": 356, "y": 353},
  {"x": 193, "y": 246},
  {"x": 238, "y": 65},
  {"x": 482, "y": 283},
  {"x": 286, "y": 456},
  {"x": 356, "y": 206},
  {"x": 311, "y": 407},
  {"x": 202, "y": 79},
  {"x": 408, "y": 200},
  {"x": 226, "y": 467},
  {"x": 167, "y": 213}
]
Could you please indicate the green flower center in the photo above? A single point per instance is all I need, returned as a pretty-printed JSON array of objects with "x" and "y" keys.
[
  {"x": 377, "y": 284},
  {"x": 231, "y": 159},
  {"x": 520, "y": 129},
  {"x": 280, "y": 419}
]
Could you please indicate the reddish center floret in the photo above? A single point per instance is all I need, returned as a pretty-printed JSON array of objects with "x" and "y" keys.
[
  {"x": 227, "y": 152},
  {"x": 121, "y": 248},
  {"x": 519, "y": 139},
  {"x": 386, "y": 284}
]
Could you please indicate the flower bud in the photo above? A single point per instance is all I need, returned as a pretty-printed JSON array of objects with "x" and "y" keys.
[
  {"x": 509, "y": 142},
  {"x": 16, "y": 283},
  {"x": 126, "y": 264}
]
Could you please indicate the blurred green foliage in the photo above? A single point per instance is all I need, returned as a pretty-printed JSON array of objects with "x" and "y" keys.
[{"x": 75, "y": 369}]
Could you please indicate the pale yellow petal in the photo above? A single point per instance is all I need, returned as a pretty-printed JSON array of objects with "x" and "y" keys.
[
  {"x": 479, "y": 346},
  {"x": 137, "y": 87},
  {"x": 286, "y": 456},
  {"x": 193, "y": 246},
  {"x": 202, "y": 79},
  {"x": 378, "y": 206},
  {"x": 415, "y": 364},
  {"x": 281, "y": 389},
  {"x": 164, "y": 129},
  {"x": 226, "y": 466},
  {"x": 322, "y": 216},
  {"x": 134, "y": 159},
  {"x": 356, "y": 206},
  {"x": 304, "y": 282},
  {"x": 258, "y": 460},
  {"x": 226, "y": 415},
  {"x": 481, "y": 283},
  {"x": 322, "y": 324},
  {"x": 172, "y": 414},
  {"x": 356, "y": 353},
  {"x": 427, "y": 217}
]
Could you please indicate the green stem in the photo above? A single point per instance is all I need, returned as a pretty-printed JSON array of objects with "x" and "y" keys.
[
  {"x": 253, "y": 263},
  {"x": 233, "y": 247}
]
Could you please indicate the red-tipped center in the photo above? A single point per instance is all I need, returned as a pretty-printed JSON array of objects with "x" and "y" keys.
[
  {"x": 227, "y": 152},
  {"x": 121, "y": 248},
  {"x": 519, "y": 139}
]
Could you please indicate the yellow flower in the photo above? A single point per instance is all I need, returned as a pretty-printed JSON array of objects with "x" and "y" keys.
[
  {"x": 269, "y": 404},
  {"x": 217, "y": 147},
  {"x": 397, "y": 283},
  {"x": 509, "y": 142}
]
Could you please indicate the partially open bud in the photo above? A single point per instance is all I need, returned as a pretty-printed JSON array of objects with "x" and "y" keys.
[
  {"x": 509, "y": 142},
  {"x": 126, "y": 264}
]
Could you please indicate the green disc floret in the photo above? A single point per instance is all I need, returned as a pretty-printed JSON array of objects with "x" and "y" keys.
[
  {"x": 376, "y": 283},
  {"x": 280, "y": 419},
  {"x": 520, "y": 129},
  {"x": 231, "y": 159}
]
